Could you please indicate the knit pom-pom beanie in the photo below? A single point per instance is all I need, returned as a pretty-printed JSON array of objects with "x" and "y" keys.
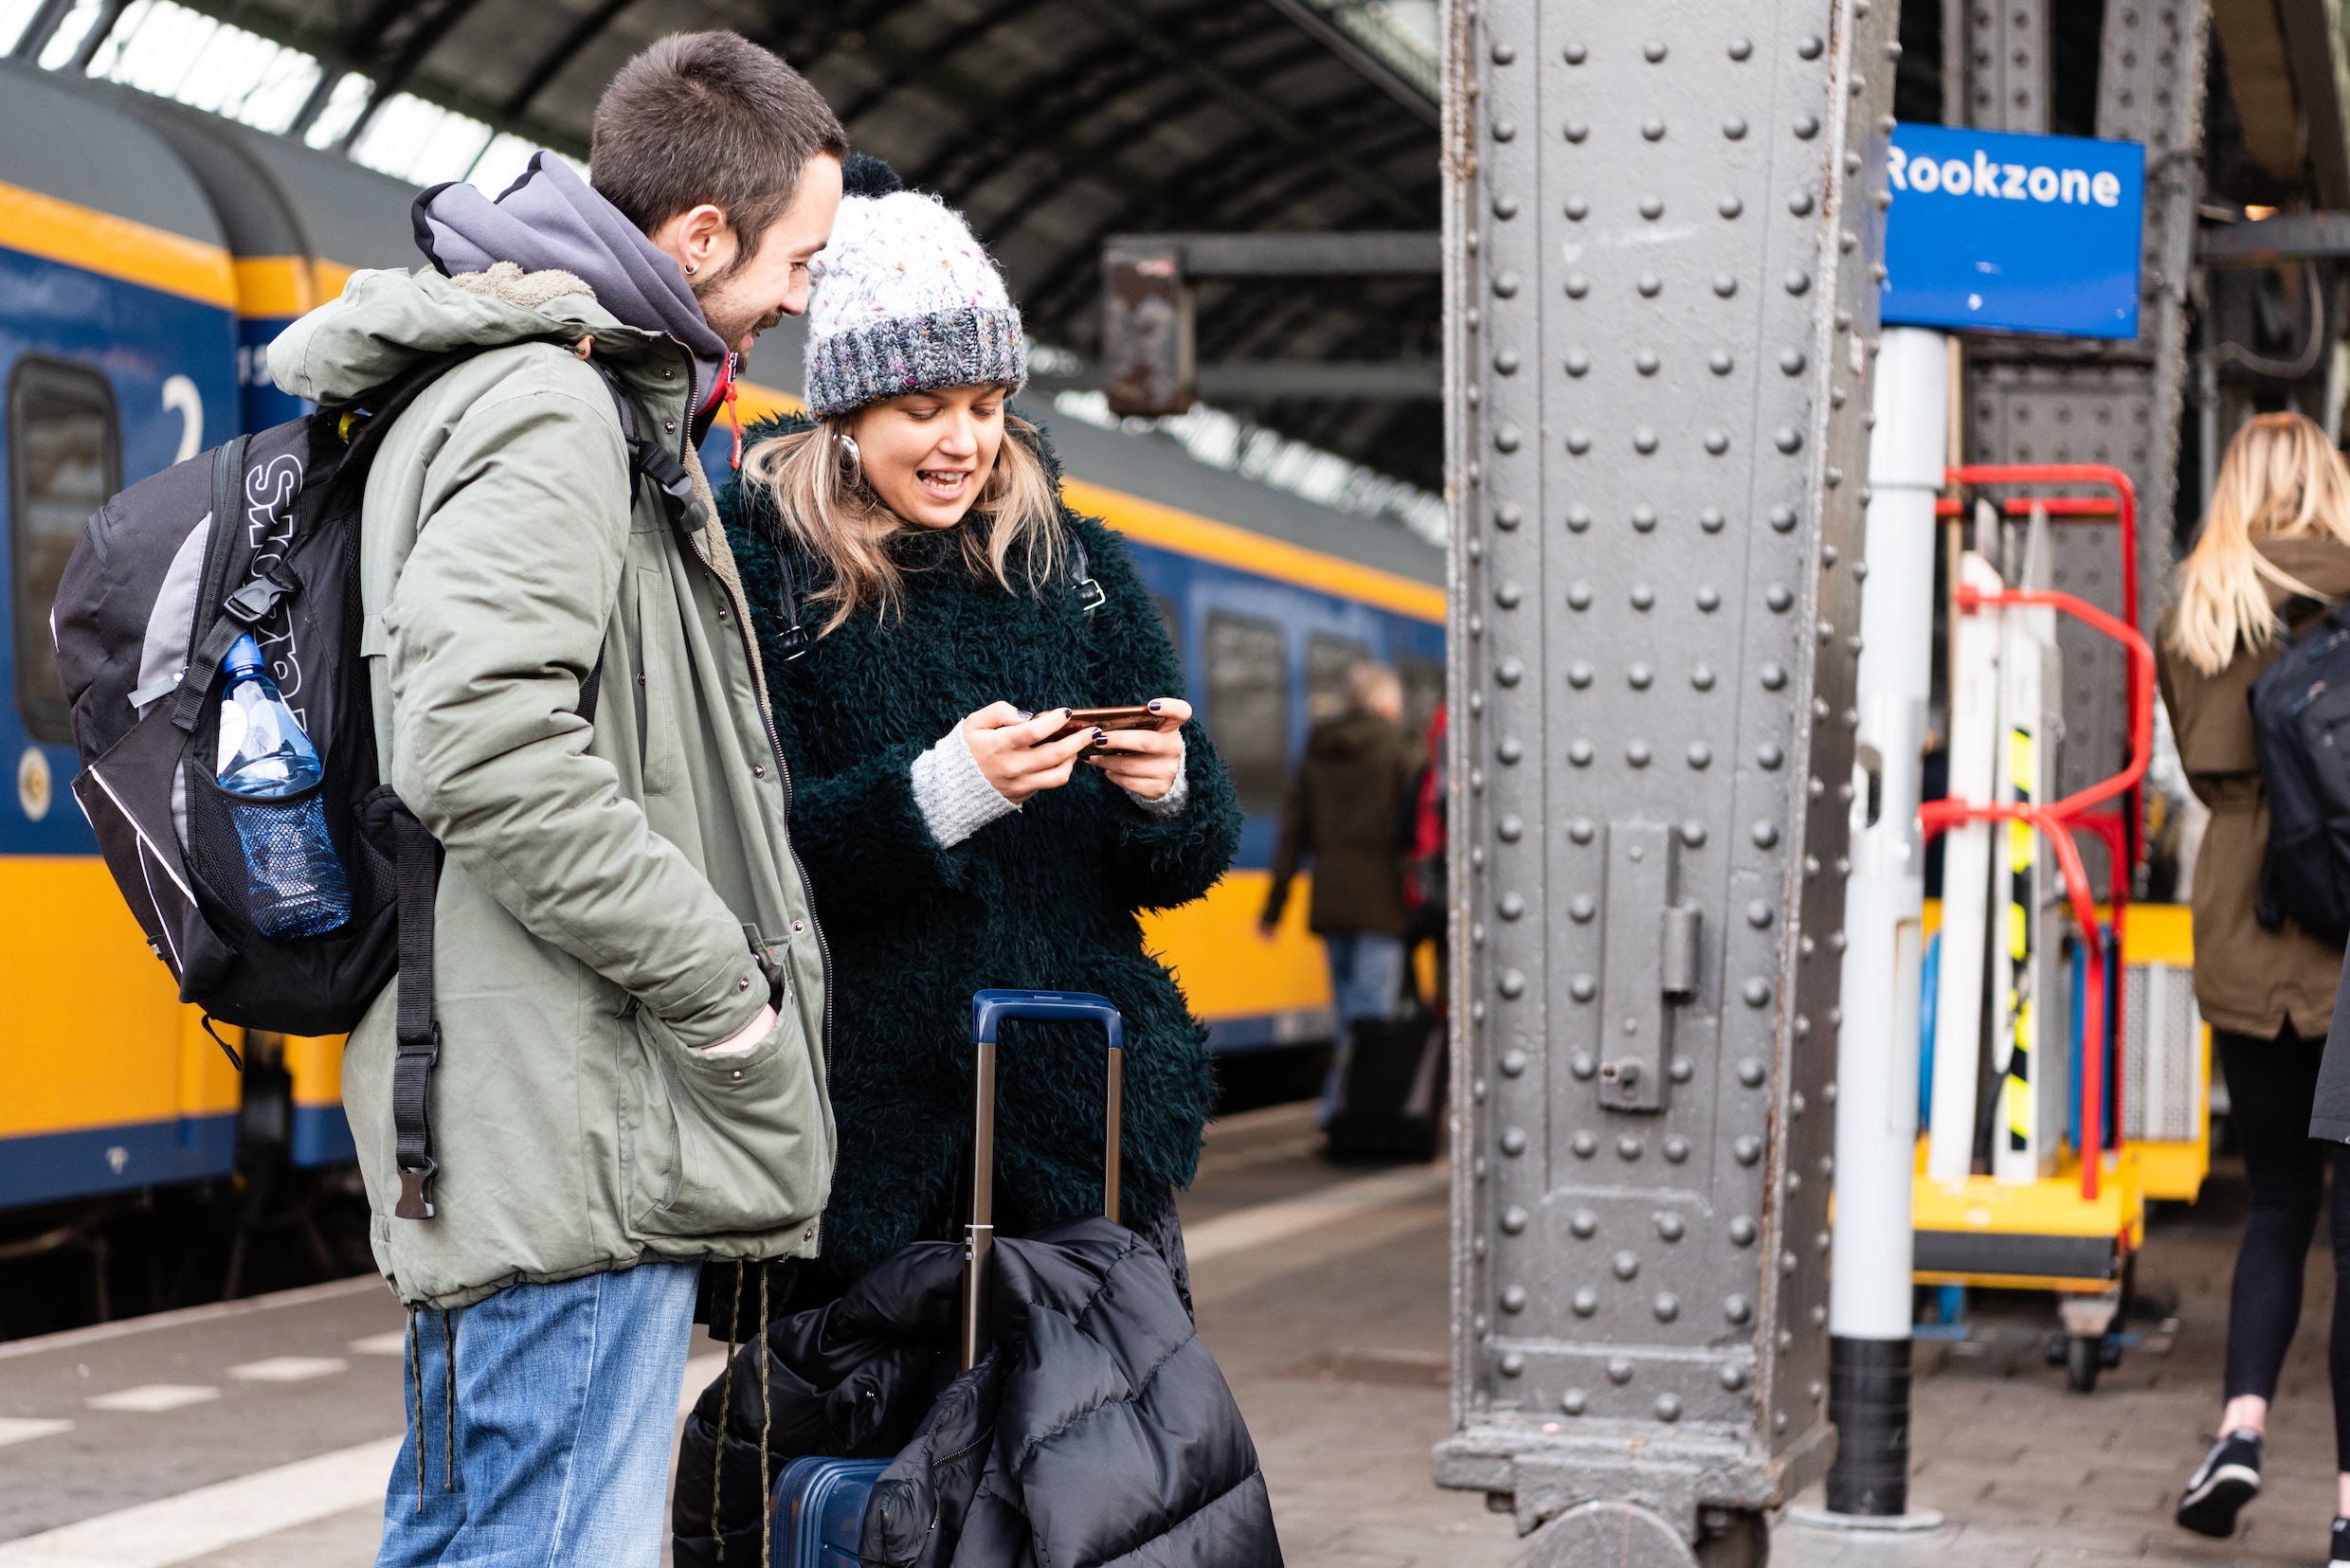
[{"x": 907, "y": 301}]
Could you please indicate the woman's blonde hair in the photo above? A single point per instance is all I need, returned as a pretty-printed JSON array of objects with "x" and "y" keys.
[
  {"x": 825, "y": 506},
  {"x": 2281, "y": 480}
]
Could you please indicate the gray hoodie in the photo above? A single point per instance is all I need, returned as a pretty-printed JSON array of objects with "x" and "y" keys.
[{"x": 551, "y": 221}]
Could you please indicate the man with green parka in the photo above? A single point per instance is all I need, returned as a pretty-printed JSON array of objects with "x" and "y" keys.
[{"x": 628, "y": 980}]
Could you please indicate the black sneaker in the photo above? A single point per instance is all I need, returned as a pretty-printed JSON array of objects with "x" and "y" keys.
[
  {"x": 2341, "y": 1552},
  {"x": 2228, "y": 1478}
]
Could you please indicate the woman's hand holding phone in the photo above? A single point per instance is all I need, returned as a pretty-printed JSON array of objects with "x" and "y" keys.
[
  {"x": 1143, "y": 761},
  {"x": 1017, "y": 752},
  {"x": 1023, "y": 755}
]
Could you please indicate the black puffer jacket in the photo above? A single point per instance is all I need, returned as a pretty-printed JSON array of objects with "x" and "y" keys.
[{"x": 1098, "y": 1430}]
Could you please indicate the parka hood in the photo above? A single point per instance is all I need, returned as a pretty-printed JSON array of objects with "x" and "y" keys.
[
  {"x": 386, "y": 321},
  {"x": 553, "y": 221}
]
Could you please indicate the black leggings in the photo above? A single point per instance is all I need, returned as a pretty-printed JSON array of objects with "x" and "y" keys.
[{"x": 2271, "y": 1085}]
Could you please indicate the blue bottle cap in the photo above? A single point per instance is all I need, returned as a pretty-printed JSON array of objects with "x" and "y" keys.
[{"x": 244, "y": 657}]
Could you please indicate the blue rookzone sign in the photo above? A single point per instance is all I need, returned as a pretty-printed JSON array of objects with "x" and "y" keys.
[{"x": 2001, "y": 232}]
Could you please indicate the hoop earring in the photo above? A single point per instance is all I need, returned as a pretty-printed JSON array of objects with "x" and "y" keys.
[
  {"x": 854, "y": 459},
  {"x": 689, "y": 269}
]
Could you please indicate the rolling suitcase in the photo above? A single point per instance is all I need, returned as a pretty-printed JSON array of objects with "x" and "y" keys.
[
  {"x": 1391, "y": 1095},
  {"x": 818, "y": 1509}
]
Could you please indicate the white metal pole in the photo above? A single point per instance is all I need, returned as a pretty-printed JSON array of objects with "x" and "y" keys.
[{"x": 1868, "y": 1302}]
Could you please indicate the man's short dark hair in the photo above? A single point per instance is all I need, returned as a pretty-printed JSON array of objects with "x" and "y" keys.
[{"x": 709, "y": 118}]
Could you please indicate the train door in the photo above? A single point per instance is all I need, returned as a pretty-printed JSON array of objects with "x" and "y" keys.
[
  {"x": 117, "y": 359},
  {"x": 108, "y": 1084}
]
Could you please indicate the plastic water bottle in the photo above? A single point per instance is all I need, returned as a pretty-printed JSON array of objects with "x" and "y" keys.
[{"x": 293, "y": 881}]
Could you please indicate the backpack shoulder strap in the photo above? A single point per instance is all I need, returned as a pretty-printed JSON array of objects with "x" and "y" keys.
[
  {"x": 589, "y": 690},
  {"x": 395, "y": 830},
  {"x": 649, "y": 459},
  {"x": 210, "y": 632},
  {"x": 363, "y": 422},
  {"x": 1089, "y": 593},
  {"x": 416, "y": 863},
  {"x": 795, "y": 635}
]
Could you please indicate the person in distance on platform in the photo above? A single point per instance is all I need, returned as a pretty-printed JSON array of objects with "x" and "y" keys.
[
  {"x": 953, "y": 610},
  {"x": 629, "y": 991},
  {"x": 1346, "y": 812},
  {"x": 2274, "y": 554}
]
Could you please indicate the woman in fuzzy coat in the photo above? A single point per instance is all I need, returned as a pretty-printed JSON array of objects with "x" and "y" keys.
[{"x": 925, "y": 608}]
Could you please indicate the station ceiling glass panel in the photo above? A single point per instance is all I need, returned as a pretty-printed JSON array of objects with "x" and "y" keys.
[{"x": 1052, "y": 123}]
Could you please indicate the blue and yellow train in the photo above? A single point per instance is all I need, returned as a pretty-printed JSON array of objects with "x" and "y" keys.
[{"x": 148, "y": 254}]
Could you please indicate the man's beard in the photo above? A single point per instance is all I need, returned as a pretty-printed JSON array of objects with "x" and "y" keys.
[{"x": 730, "y": 326}]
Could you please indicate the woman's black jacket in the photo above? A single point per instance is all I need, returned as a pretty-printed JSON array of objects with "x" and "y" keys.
[{"x": 1044, "y": 898}]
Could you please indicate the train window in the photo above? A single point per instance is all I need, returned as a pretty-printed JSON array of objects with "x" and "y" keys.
[
  {"x": 1423, "y": 691},
  {"x": 1248, "y": 706},
  {"x": 1328, "y": 659},
  {"x": 64, "y": 459},
  {"x": 1171, "y": 622}
]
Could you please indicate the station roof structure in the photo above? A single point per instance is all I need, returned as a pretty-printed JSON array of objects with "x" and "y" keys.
[{"x": 1051, "y": 124}]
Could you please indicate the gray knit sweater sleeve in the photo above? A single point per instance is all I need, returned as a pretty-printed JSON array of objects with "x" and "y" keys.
[
  {"x": 953, "y": 796},
  {"x": 956, "y": 800},
  {"x": 1169, "y": 805}
]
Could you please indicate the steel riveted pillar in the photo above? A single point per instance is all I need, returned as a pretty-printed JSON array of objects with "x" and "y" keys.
[{"x": 1661, "y": 304}]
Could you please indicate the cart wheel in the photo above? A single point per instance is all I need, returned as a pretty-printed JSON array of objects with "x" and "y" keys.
[
  {"x": 2110, "y": 1357},
  {"x": 2083, "y": 1358},
  {"x": 1741, "y": 1540}
]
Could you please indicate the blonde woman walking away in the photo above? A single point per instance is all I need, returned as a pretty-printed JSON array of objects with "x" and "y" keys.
[{"x": 2273, "y": 557}]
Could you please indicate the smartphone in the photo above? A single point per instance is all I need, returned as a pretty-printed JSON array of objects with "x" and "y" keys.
[{"x": 1136, "y": 717}]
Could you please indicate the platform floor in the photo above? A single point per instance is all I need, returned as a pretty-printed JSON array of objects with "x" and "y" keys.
[
  {"x": 259, "y": 1435},
  {"x": 2030, "y": 1475}
]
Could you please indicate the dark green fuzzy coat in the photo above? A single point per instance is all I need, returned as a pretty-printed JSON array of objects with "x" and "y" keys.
[{"x": 1044, "y": 898}]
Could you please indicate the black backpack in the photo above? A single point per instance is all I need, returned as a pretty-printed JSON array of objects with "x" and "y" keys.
[
  {"x": 153, "y": 595},
  {"x": 2301, "y": 731}
]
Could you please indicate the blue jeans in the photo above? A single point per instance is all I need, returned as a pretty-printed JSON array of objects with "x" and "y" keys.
[
  {"x": 567, "y": 1400},
  {"x": 1366, "y": 975}
]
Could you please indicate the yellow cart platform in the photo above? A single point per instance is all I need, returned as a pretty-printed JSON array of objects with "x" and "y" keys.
[{"x": 2045, "y": 1236}]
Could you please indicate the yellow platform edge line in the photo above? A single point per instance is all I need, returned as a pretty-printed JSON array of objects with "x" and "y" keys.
[{"x": 121, "y": 248}]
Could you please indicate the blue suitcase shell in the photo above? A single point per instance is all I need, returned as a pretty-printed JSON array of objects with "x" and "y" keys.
[{"x": 820, "y": 1510}]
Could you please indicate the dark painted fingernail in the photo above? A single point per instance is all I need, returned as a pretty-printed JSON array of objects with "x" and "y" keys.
[
  {"x": 1101, "y": 738},
  {"x": 1025, "y": 714},
  {"x": 1152, "y": 705}
]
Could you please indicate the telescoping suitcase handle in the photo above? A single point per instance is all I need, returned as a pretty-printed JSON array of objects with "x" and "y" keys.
[{"x": 988, "y": 1011}]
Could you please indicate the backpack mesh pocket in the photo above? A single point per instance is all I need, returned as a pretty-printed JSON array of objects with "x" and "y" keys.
[{"x": 270, "y": 866}]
